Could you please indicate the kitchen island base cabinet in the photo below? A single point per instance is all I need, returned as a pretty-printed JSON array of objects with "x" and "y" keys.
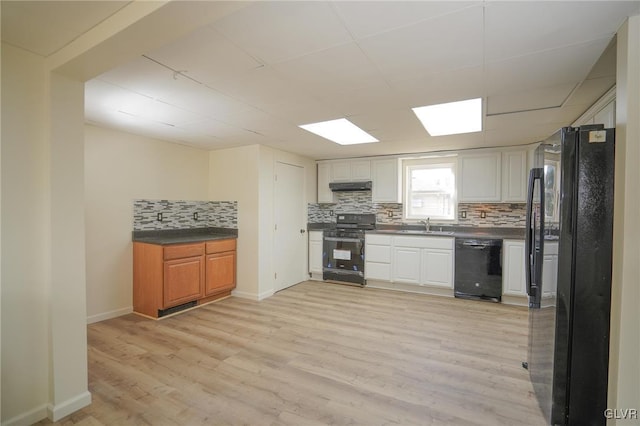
[{"x": 167, "y": 279}]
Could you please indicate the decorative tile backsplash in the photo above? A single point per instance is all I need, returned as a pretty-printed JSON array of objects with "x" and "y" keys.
[
  {"x": 355, "y": 202},
  {"x": 497, "y": 215},
  {"x": 180, "y": 214},
  {"x": 510, "y": 215}
]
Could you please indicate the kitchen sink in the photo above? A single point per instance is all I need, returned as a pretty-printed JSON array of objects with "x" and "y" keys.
[{"x": 413, "y": 232}]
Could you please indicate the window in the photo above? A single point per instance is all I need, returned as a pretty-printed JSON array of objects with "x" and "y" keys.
[{"x": 430, "y": 188}]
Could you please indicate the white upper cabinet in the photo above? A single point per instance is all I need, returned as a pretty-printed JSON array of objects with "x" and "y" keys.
[
  {"x": 514, "y": 176},
  {"x": 606, "y": 116},
  {"x": 324, "y": 178},
  {"x": 385, "y": 181},
  {"x": 340, "y": 171},
  {"x": 479, "y": 177},
  {"x": 351, "y": 171}
]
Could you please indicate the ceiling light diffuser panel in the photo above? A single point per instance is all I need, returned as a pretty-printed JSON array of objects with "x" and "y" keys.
[
  {"x": 340, "y": 131},
  {"x": 451, "y": 118}
]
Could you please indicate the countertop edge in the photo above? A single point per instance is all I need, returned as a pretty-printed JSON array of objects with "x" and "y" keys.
[{"x": 183, "y": 236}]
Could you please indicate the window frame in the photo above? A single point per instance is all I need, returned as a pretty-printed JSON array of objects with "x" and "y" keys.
[{"x": 449, "y": 161}]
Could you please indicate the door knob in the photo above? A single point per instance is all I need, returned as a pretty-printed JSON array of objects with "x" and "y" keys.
[{"x": 302, "y": 231}]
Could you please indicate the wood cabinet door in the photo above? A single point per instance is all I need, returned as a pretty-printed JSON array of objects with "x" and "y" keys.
[
  {"x": 183, "y": 280},
  {"x": 221, "y": 272}
]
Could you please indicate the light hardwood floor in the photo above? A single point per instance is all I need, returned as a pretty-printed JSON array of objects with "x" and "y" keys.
[{"x": 315, "y": 353}]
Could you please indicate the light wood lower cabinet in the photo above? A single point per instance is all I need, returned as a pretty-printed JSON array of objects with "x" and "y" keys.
[
  {"x": 167, "y": 277},
  {"x": 182, "y": 280},
  {"x": 221, "y": 267}
]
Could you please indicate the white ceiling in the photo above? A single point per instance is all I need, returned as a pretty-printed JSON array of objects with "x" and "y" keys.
[{"x": 255, "y": 75}]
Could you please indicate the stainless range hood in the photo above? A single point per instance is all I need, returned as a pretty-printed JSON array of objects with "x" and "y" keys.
[{"x": 350, "y": 186}]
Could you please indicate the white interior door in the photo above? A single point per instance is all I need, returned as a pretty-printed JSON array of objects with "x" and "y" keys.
[{"x": 290, "y": 226}]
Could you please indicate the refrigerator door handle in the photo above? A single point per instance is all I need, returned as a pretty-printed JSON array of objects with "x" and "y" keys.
[{"x": 530, "y": 240}]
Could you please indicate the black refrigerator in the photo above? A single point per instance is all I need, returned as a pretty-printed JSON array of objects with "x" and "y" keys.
[{"x": 568, "y": 254}]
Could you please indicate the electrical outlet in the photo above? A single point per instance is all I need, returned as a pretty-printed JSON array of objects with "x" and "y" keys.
[
  {"x": 483, "y": 215},
  {"x": 195, "y": 216},
  {"x": 390, "y": 214},
  {"x": 159, "y": 217},
  {"x": 463, "y": 214}
]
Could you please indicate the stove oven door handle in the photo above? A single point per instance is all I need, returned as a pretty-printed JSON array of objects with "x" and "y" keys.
[{"x": 345, "y": 240}]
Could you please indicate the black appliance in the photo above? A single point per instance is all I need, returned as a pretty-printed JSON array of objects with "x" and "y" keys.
[
  {"x": 350, "y": 186},
  {"x": 478, "y": 270},
  {"x": 343, "y": 248},
  {"x": 570, "y": 204}
]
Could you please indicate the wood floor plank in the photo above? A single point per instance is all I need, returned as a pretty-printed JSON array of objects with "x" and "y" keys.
[{"x": 314, "y": 354}]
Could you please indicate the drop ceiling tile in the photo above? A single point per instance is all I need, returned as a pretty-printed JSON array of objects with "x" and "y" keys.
[
  {"x": 590, "y": 91},
  {"x": 442, "y": 44},
  {"x": 276, "y": 31},
  {"x": 543, "y": 69},
  {"x": 534, "y": 26},
  {"x": 371, "y": 17},
  {"x": 206, "y": 56},
  {"x": 262, "y": 88},
  {"x": 375, "y": 96},
  {"x": 546, "y": 97},
  {"x": 457, "y": 85},
  {"x": 152, "y": 80},
  {"x": 388, "y": 125},
  {"x": 337, "y": 68},
  {"x": 44, "y": 27}
]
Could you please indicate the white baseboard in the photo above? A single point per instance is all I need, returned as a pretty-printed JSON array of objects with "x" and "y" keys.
[
  {"x": 28, "y": 418},
  {"x": 108, "y": 315},
  {"x": 252, "y": 296},
  {"x": 70, "y": 406}
]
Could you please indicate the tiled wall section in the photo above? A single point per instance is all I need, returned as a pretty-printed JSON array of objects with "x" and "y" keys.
[
  {"x": 497, "y": 215},
  {"x": 179, "y": 214}
]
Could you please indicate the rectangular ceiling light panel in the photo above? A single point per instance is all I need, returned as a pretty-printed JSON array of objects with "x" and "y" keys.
[
  {"x": 451, "y": 118},
  {"x": 340, "y": 131}
]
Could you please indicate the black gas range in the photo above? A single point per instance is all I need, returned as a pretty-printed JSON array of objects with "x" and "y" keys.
[{"x": 343, "y": 248}]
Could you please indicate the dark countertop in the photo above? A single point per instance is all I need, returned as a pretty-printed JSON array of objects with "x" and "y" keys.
[
  {"x": 458, "y": 231},
  {"x": 182, "y": 236}
]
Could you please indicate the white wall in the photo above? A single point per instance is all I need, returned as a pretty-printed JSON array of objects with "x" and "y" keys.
[
  {"x": 246, "y": 174},
  {"x": 233, "y": 176},
  {"x": 624, "y": 374},
  {"x": 25, "y": 294},
  {"x": 121, "y": 167}
]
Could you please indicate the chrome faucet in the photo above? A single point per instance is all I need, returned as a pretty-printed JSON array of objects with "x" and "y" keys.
[{"x": 427, "y": 226}]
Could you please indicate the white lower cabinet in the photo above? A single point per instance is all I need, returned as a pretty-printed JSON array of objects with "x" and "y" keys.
[
  {"x": 377, "y": 254},
  {"x": 413, "y": 260},
  {"x": 315, "y": 252},
  {"x": 513, "y": 268},
  {"x": 437, "y": 267},
  {"x": 406, "y": 265},
  {"x": 549, "y": 269}
]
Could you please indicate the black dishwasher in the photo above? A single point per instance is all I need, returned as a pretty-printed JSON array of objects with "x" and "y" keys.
[{"x": 478, "y": 269}]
